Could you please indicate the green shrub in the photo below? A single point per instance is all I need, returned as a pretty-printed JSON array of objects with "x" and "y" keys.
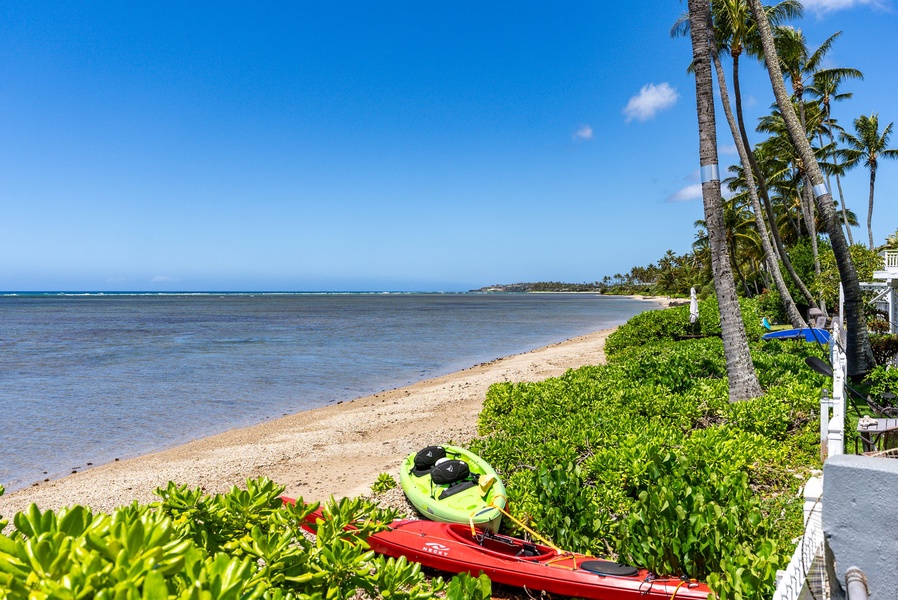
[
  {"x": 770, "y": 305},
  {"x": 649, "y": 327},
  {"x": 646, "y": 457},
  {"x": 882, "y": 379},
  {"x": 383, "y": 483},
  {"x": 885, "y": 348},
  {"x": 240, "y": 545},
  {"x": 671, "y": 324},
  {"x": 467, "y": 587}
]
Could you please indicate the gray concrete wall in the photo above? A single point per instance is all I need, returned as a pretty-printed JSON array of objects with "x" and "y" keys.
[{"x": 860, "y": 520}]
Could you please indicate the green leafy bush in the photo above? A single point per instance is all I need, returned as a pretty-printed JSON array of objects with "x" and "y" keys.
[
  {"x": 567, "y": 507},
  {"x": 466, "y": 587},
  {"x": 648, "y": 327},
  {"x": 241, "y": 545},
  {"x": 885, "y": 348},
  {"x": 770, "y": 305},
  {"x": 645, "y": 458},
  {"x": 692, "y": 518},
  {"x": 865, "y": 261},
  {"x": 882, "y": 379},
  {"x": 673, "y": 323},
  {"x": 383, "y": 483}
]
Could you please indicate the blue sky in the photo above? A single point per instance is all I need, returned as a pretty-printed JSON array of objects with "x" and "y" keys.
[{"x": 370, "y": 146}]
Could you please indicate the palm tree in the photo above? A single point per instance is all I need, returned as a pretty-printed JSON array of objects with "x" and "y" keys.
[
  {"x": 743, "y": 382},
  {"x": 858, "y": 351},
  {"x": 799, "y": 65},
  {"x": 825, "y": 87},
  {"x": 790, "y": 175},
  {"x": 868, "y": 146},
  {"x": 733, "y": 29},
  {"x": 741, "y": 238},
  {"x": 736, "y": 32}
]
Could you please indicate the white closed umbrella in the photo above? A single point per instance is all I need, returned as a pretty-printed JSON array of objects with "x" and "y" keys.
[{"x": 693, "y": 306}]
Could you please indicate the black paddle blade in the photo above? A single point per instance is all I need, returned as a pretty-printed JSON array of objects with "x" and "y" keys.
[{"x": 819, "y": 366}]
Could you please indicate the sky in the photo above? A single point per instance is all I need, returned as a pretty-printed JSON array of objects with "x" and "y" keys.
[{"x": 406, "y": 146}]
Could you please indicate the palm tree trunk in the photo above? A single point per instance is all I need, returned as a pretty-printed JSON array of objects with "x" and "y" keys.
[
  {"x": 772, "y": 265},
  {"x": 870, "y": 208},
  {"x": 808, "y": 198},
  {"x": 835, "y": 159},
  {"x": 844, "y": 210},
  {"x": 743, "y": 382},
  {"x": 765, "y": 196},
  {"x": 731, "y": 248},
  {"x": 858, "y": 351}
]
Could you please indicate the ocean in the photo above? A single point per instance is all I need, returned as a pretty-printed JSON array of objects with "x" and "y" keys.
[{"x": 89, "y": 378}]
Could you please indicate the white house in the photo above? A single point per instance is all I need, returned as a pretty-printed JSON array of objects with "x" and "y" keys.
[{"x": 886, "y": 286}]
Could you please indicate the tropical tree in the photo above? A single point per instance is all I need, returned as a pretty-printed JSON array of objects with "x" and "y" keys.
[
  {"x": 858, "y": 350},
  {"x": 892, "y": 241},
  {"x": 743, "y": 382},
  {"x": 868, "y": 146},
  {"x": 825, "y": 87},
  {"x": 733, "y": 30},
  {"x": 800, "y": 65},
  {"x": 790, "y": 176}
]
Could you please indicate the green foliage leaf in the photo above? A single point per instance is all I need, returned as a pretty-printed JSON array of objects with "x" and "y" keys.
[
  {"x": 383, "y": 483},
  {"x": 466, "y": 587}
]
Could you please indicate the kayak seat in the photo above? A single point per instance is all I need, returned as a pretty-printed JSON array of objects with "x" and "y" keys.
[
  {"x": 606, "y": 567},
  {"x": 529, "y": 550},
  {"x": 426, "y": 459}
]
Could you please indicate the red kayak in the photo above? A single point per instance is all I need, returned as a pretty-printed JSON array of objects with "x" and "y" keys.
[{"x": 512, "y": 561}]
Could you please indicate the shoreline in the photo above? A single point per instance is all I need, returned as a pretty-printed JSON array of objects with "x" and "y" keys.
[{"x": 338, "y": 449}]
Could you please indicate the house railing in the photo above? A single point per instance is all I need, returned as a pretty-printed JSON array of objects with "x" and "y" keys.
[
  {"x": 832, "y": 410},
  {"x": 891, "y": 259}
]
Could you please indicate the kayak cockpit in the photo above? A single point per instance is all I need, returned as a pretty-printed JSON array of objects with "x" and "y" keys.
[{"x": 500, "y": 545}]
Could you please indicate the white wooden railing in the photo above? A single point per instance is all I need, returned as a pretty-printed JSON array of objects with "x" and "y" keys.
[
  {"x": 832, "y": 410},
  {"x": 805, "y": 576},
  {"x": 891, "y": 259}
]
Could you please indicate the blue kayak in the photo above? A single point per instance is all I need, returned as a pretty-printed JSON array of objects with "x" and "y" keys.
[{"x": 810, "y": 334}]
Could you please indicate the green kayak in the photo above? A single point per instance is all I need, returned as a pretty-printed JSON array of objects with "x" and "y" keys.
[{"x": 453, "y": 485}]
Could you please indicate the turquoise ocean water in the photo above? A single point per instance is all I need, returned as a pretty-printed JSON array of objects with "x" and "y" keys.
[{"x": 88, "y": 378}]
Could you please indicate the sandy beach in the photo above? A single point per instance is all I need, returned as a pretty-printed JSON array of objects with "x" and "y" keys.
[{"x": 336, "y": 450}]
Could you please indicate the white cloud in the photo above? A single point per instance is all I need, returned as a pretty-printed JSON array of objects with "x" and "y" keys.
[
  {"x": 650, "y": 99},
  {"x": 827, "y": 6},
  {"x": 687, "y": 194},
  {"x": 584, "y": 133},
  {"x": 728, "y": 149}
]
